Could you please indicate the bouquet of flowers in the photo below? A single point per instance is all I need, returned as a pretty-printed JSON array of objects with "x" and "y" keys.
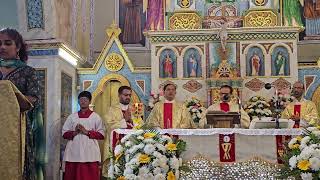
[
  {"x": 145, "y": 154},
  {"x": 302, "y": 157},
  {"x": 258, "y": 107},
  {"x": 283, "y": 101},
  {"x": 195, "y": 108}
]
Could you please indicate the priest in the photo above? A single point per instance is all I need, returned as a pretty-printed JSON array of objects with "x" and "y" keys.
[
  {"x": 226, "y": 105},
  {"x": 300, "y": 109},
  {"x": 118, "y": 117},
  {"x": 169, "y": 113}
]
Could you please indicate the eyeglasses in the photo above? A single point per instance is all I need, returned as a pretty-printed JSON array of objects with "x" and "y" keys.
[{"x": 6, "y": 42}]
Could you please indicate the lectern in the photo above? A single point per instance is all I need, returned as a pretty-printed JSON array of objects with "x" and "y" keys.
[
  {"x": 12, "y": 130},
  {"x": 220, "y": 119}
]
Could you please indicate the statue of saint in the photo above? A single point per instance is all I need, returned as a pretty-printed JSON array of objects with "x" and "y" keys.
[
  {"x": 255, "y": 64},
  {"x": 280, "y": 63},
  {"x": 168, "y": 66},
  {"x": 192, "y": 66}
]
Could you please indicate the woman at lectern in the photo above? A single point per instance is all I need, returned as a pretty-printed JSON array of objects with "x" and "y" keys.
[{"x": 13, "y": 67}]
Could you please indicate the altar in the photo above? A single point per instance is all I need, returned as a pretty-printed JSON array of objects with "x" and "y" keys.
[{"x": 228, "y": 153}]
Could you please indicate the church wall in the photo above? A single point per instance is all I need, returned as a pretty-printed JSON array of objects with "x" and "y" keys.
[{"x": 9, "y": 14}]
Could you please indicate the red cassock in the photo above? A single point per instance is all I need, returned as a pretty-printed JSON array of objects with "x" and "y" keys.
[{"x": 82, "y": 170}]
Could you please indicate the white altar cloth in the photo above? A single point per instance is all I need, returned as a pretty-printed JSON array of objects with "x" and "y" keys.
[{"x": 247, "y": 143}]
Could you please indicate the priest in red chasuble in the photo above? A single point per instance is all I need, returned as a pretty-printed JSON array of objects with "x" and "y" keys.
[
  {"x": 226, "y": 106},
  {"x": 82, "y": 130},
  {"x": 300, "y": 109},
  {"x": 169, "y": 113}
]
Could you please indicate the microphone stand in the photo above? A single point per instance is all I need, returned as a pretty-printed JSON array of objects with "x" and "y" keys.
[{"x": 239, "y": 116}]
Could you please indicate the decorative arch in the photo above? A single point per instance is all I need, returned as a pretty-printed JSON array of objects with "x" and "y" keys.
[
  {"x": 279, "y": 44},
  {"x": 280, "y": 59},
  {"x": 168, "y": 58},
  {"x": 255, "y": 60},
  {"x": 192, "y": 62},
  {"x": 124, "y": 81}
]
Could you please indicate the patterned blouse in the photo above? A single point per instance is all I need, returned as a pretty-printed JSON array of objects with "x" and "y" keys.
[{"x": 25, "y": 79}]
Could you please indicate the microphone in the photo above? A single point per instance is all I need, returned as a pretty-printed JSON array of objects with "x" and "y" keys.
[
  {"x": 268, "y": 86},
  {"x": 226, "y": 97}
]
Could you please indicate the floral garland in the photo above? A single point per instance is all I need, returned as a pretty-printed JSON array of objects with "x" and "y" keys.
[
  {"x": 302, "y": 156},
  {"x": 145, "y": 154},
  {"x": 258, "y": 107},
  {"x": 195, "y": 108}
]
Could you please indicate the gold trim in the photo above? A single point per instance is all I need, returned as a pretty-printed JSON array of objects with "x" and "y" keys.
[
  {"x": 114, "y": 62},
  {"x": 242, "y": 30},
  {"x": 260, "y": 18},
  {"x": 124, "y": 81}
]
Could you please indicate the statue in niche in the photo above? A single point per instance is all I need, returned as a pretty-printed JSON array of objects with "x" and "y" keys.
[
  {"x": 168, "y": 66},
  {"x": 192, "y": 66},
  {"x": 192, "y": 63},
  {"x": 280, "y": 63},
  {"x": 255, "y": 62}
]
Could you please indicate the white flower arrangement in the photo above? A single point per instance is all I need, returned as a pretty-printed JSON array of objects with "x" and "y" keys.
[
  {"x": 302, "y": 156},
  {"x": 257, "y": 107},
  {"x": 195, "y": 108},
  {"x": 145, "y": 154}
]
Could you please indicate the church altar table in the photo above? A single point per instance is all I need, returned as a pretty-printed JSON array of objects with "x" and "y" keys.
[
  {"x": 228, "y": 145},
  {"x": 228, "y": 153}
]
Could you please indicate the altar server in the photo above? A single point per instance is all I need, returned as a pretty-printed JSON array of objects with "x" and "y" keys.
[{"x": 82, "y": 130}]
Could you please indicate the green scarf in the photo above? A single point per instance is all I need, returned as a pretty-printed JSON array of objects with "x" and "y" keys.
[{"x": 12, "y": 63}]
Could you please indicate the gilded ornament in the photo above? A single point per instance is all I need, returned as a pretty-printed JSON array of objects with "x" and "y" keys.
[
  {"x": 114, "y": 62},
  {"x": 185, "y": 20},
  {"x": 260, "y": 2},
  {"x": 259, "y": 18},
  {"x": 185, "y": 3}
]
